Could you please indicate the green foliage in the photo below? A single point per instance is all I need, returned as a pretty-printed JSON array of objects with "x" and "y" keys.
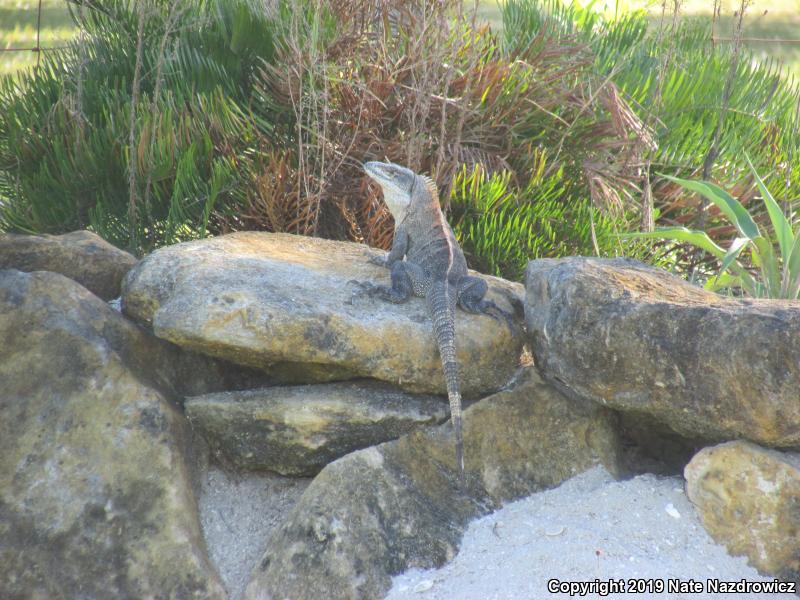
[
  {"x": 776, "y": 257},
  {"x": 238, "y": 118},
  {"x": 676, "y": 81},
  {"x": 243, "y": 118},
  {"x": 65, "y": 152},
  {"x": 502, "y": 226}
]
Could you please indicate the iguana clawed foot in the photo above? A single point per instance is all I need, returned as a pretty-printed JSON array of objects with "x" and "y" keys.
[
  {"x": 381, "y": 261},
  {"x": 498, "y": 313},
  {"x": 365, "y": 288},
  {"x": 490, "y": 309},
  {"x": 472, "y": 299}
]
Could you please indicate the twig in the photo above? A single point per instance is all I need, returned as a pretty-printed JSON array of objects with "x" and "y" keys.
[
  {"x": 752, "y": 39},
  {"x": 647, "y": 222},
  {"x": 169, "y": 28},
  {"x": 38, "y": 34},
  {"x": 132, "y": 154},
  {"x": 713, "y": 150}
]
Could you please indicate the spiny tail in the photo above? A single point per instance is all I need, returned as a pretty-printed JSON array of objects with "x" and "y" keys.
[{"x": 442, "y": 301}]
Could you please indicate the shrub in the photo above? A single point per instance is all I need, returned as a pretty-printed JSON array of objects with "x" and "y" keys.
[
  {"x": 777, "y": 265},
  {"x": 174, "y": 119},
  {"x": 501, "y": 227},
  {"x": 438, "y": 96},
  {"x": 146, "y": 161},
  {"x": 705, "y": 106}
]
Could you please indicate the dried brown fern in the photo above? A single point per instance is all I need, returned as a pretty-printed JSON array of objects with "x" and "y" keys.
[{"x": 417, "y": 84}]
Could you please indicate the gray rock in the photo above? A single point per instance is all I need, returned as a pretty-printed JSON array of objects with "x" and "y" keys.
[
  {"x": 379, "y": 511},
  {"x": 637, "y": 339},
  {"x": 282, "y": 303},
  {"x": 95, "y": 496},
  {"x": 298, "y": 430},
  {"x": 81, "y": 255},
  {"x": 749, "y": 500}
]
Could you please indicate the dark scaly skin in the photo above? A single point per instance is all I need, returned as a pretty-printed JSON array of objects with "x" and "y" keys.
[{"x": 434, "y": 268}]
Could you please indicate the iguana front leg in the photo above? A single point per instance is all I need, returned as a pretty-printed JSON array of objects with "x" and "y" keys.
[
  {"x": 397, "y": 253},
  {"x": 407, "y": 279}
]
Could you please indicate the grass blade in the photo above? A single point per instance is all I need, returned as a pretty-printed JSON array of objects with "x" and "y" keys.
[
  {"x": 733, "y": 253},
  {"x": 729, "y": 205},
  {"x": 791, "y": 277},
  {"x": 764, "y": 257},
  {"x": 682, "y": 234},
  {"x": 783, "y": 229}
]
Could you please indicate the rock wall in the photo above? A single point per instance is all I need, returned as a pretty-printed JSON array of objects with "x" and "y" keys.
[
  {"x": 253, "y": 345},
  {"x": 685, "y": 368}
]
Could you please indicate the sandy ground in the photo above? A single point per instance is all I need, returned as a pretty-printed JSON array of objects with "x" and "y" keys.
[
  {"x": 591, "y": 527},
  {"x": 237, "y": 515}
]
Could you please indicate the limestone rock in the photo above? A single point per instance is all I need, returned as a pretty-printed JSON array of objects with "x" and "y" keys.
[
  {"x": 749, "y": 500},
  {"x": 298, "y": 430},
  {"x": 638, "y": 339},
  {"x": 95, "y": 496},
  {"x": 379, "y": 511},
  {"x": 81, "y": 255},
  {"x": 282, "y": 303}
]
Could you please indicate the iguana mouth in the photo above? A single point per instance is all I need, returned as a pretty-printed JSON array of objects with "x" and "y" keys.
[{"x": 376, "y": 170}]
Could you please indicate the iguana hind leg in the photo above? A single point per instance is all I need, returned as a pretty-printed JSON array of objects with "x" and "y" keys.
[
  {"x": 407, "y": 280},
  {"x": 471, "y": 298}
]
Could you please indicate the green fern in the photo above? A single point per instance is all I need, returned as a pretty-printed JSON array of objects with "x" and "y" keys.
[
  {"x": 501, "y": 226},
  {"x": 761, "y": 117},
  {"x": 64, "y": 155}
]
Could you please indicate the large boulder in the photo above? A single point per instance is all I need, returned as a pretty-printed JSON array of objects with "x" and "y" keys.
[
  {"x": 640, "y": 340},
  {"x": 95, "y": 495},
  {"x": 749, "y": 500},
  {"x": 297, "y": 430},
  {"x": 379, "y": 511},
  {"x": 282, "y": 303},
  {"x": 81, "y": 255}
]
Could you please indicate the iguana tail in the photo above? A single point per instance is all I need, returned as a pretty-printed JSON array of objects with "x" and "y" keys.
[{"x": 442, "y": 299}]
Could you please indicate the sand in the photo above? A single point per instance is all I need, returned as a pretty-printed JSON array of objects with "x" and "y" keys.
[
  {"x": 237, "y": 514},
  {"x": 590, "y": 528}
]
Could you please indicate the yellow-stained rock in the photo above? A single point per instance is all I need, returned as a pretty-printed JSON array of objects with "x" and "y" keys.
[
  {"x": 282, "y": 303},
  {"x": 640, "y": 340},
  {"x": 81, "y": 255},
  {"x": 297, "y": 430},
  {"x": 748, "y": 498},
  {"x": 95, "y": 498},
  {"x": 377, "y": 512}
]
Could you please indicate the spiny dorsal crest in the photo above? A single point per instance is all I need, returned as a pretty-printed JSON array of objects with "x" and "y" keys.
[{"x": 431, "y": 186}]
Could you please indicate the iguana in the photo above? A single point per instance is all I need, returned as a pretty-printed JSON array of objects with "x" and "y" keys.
[{"x": 434, "y": 268}]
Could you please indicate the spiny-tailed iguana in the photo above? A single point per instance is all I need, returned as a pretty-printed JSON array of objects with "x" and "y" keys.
[{"x": 434, "y": 268}]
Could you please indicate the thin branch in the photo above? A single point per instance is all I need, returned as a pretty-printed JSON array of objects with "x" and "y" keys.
[
  {"x": 172, "y": 18},
  {"x": 132, "y": 154},
  {"x": 38, "y": 33},
  {"x": 713, "y": 149}
]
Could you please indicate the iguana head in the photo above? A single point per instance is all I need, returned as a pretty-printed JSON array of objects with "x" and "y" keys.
[{"x": 397, "y": 183}]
